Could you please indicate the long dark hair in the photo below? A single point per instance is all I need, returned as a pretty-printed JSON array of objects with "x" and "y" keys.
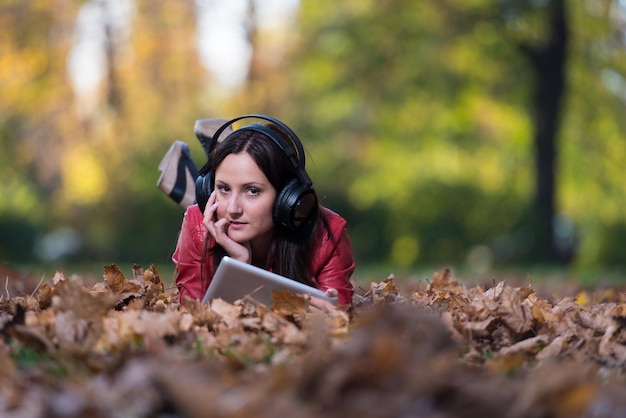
[{"x": 290, "y": 251}]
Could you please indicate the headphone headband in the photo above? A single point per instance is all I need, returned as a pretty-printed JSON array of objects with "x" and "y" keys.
[{"x": 298, "y": 161}]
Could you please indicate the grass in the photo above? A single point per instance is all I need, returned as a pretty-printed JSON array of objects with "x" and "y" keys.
[
  {"x": 541, "y": 276},
  {"x": 549, "y": 279},
  {"x": 22, "y": 279}
]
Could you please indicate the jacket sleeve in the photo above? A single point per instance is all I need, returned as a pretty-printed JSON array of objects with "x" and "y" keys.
[
  {"x": 188, "y": 254},
  {"x": 337, "y": 262}
]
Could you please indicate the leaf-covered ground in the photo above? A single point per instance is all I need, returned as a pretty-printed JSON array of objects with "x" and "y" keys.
[{"x": 124, "y": 347}]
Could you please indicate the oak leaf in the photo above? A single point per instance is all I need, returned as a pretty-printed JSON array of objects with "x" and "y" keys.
[{"x": 117, "y": 282}]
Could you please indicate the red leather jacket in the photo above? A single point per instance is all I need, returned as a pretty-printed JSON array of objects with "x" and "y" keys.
[{"x": 331, "y": 265}]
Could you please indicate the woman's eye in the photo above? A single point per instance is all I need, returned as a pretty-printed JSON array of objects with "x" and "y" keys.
[
  {"x": 222, "y": 189},
  {"x": 254, "y": 191}
]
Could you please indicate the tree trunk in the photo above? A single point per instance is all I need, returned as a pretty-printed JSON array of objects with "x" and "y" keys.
[
  {"x": 113, "y": 96},
  {"x": 548, "y": 62}
]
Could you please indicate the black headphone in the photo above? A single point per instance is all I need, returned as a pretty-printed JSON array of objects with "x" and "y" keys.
[{"x": 296, "y": 203}]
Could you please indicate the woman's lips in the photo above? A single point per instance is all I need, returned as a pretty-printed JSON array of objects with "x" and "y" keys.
[{"x": 236, "y": 224}]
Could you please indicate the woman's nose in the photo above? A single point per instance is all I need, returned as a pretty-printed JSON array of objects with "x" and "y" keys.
[{"x": 234, "y": 205}]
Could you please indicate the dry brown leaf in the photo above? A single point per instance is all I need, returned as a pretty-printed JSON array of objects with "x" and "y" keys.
[
  {"x": 484, "y": 305},
  {"x": 288, "y": 333},
  {"x": 541, "y": 311},
  {"x": 72, "y": 331},
  {"x": 526, "y": 291},
  {"x": 441, "y": 279},
  {"x": 381, "y": 291},
  {"x": 229, "y": 313},
  {"x": 253, "y": 323},
  {"x": 137, "y": 271},
  {"x": 152, "y": 275},
  {"x": 553, "y": 349},
  {"x": 117, "y": 282},
  {"x": 495, "y": 293},
  {"x": 338, "y": 322},
  {"x": 473, "y": 330},
  {"x": 516, "y": 315},
  {"x": 44, "y": 296},
  {"x": 608, "y": 347},
  {"x": 128, "y": 328},
  {"x": 527, "y": 346},
  {"x": 32, "y": 338},
  {"x": 29, "y": 303},
  {"x": 153, "y": 324},
  {"x": 57, "y": 278},
  {"x": 597, "y": 321},
  {"x": 288, "y": 303},
  {"x": 70, "y": 295},
  {"x": 201, "y": 313},
  {"x": 619, "y": 311}
]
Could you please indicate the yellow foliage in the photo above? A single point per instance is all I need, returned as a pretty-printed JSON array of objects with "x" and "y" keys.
[
  {"x": 84, "y": 178},
  {"x": 405, "y": 250}
]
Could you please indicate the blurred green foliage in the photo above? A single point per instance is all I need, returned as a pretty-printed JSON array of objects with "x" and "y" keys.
[{"x": 415, "y": 116}]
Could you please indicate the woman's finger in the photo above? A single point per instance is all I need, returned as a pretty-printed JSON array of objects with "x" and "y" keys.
[
  {"x": 212, "y": 199},
  {"x": 221, "y": 231},
  {"x": 239, "y": 251},
  {"x": 209, "y": 212},
  {"x": 322, "y": 305}
]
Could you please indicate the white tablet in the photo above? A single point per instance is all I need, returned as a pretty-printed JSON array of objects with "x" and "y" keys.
[{"x": 235, "y": 280}]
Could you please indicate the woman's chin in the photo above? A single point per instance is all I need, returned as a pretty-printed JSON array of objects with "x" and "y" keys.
[{"x": 238, "y": 237}]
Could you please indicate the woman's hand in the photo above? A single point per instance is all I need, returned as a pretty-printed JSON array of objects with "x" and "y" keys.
[
  {"x": 324, "y": 304},
  {"x": 218, "y": 228}
]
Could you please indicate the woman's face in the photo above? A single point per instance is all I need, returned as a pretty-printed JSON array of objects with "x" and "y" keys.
[{"x": 245, "y": 198}]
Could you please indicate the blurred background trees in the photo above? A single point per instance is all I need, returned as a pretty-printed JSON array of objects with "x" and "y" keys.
[{"x": 482, "y": 133}]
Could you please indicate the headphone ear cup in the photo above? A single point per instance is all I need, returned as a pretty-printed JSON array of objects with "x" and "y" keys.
[
  {"x": 295, "y": 206},
  {"x": 204, "y": 188}
]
